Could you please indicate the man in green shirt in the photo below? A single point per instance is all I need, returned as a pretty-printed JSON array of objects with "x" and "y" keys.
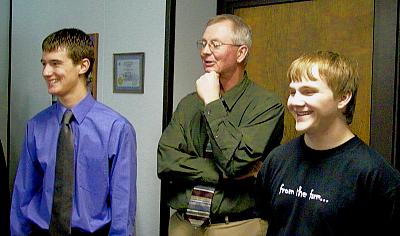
[{"x": 218, "y": 138}]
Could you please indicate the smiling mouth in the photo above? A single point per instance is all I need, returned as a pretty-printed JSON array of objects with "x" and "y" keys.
[
  {"x": 303, "y": 113},
  {"x": 52, "y": 81}
]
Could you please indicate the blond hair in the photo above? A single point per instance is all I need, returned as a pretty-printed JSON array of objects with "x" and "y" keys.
[{"x": 336, "y": 70}]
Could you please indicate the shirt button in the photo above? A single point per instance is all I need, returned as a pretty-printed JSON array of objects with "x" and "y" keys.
[{"x": 208, "y": 112}]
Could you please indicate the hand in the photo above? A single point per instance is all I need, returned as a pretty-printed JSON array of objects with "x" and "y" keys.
[{"x": 208, "y": 87}]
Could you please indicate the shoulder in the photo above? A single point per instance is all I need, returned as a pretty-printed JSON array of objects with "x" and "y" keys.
[
  {"x": 104, "y": 115},
  {"x": 371, "y": 164},
  {"x": 261, "y": 91},
  {"x": 283, "y": 155},
  {"x": 366, "y": 156},
  {"x": 189, "y": 99},
  {"x": 188, "y": 105},
  {"x": 44, "y": 115},
  {"x": 280, "y": 159},
  {"x": 262, "y": 95},
  {"x": 287, "y": 150}
]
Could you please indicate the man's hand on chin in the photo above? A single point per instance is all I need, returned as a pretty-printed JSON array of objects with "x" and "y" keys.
[{"x": 208, "y": 87}]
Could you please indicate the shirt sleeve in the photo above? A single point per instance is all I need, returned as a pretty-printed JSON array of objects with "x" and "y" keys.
[
  {"x": 174, "y": 160},
  {"x": 238, "y": 149},
  {"x": 27, "y": 181},
  {"x": 123, "y": 180},
  {"x": 386, "y": 185},
  {"x": 262, "y": 196},
  {"x": 394, "y": 212}
]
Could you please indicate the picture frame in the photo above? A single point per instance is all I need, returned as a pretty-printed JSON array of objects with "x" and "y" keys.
[{"x": 128, "y": 72}]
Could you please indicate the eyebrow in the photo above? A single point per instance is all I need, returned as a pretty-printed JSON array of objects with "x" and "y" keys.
[
  {"x": 212, "y": 39},
  {"x": 51, "y": 61},
  {"x": 305, "y": 87}
]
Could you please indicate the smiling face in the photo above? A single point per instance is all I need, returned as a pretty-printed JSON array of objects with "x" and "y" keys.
[
  {"x": 62, "y": 76},
  {"x": 313, "y": 105},
  {"x": 223, "y": 59}
]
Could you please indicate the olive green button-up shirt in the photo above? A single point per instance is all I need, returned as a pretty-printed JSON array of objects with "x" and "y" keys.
[{"x": 243, "y": 126}]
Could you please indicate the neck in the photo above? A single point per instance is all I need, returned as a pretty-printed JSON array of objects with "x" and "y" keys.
[
  {"x": 73, "y": 98},
  {"x": 336, "y": 135},
  {"x": 230, "y": 80}
]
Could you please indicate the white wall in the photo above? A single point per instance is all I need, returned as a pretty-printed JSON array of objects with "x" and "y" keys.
[
  {"x": 4, "y": 29},
  {"x": 123, "y": 26},
  {"x": 138, "y": 26},
  {"x": 191, "y": 17}
]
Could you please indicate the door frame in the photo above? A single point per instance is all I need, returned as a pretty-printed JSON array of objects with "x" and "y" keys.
[{"x": 385, "y": 99}]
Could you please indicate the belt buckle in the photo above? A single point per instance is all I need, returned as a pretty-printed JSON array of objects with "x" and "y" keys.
[{"x": 226, "y": 220}]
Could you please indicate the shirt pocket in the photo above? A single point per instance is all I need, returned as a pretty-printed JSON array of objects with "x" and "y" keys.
[{"x": 92, "y": 171}]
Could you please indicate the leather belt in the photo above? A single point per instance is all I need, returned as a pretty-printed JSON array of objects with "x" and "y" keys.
[
  {"x": 227, "y": 218},
  {"x": 103, "y": 231},
  {"x": 232, "y": 217}
]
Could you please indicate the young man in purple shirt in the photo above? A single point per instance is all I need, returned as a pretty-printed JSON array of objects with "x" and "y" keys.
[{"x": 104, "y": 172}]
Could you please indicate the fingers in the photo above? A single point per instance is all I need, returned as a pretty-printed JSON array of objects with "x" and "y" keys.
[{"x": 207, "y": 87}]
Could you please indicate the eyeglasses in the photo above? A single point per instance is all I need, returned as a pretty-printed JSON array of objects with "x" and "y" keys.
[{"x": 213, "y": 44}]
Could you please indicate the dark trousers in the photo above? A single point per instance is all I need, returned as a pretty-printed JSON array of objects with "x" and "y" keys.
[{"x": 36, "y": 231}]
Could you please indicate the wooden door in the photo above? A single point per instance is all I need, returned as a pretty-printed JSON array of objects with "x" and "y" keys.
[{"x": 282, "y": 32}]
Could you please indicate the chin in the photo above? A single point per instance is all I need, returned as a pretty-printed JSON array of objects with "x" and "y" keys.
[
  {"x": 53, "y": 92},
  {"x": 301, "y": 127},
  {"x": 208, "y": 69}
]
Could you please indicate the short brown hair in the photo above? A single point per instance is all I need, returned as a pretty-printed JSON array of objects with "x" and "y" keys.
[
  {"x": 77, "y": 43},
  {"x": 336, "y": 70},
  {"x": 242, "y": 34}
]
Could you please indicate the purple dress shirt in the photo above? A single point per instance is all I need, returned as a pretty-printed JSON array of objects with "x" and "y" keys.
[{"x": 105, "y": 170}]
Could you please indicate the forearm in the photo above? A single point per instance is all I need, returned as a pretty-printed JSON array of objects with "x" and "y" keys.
[
  {"x": 123, "y": 192},
  {"x": 175, "y": 164},
  {"x": 19, "y": 224},
  {"x": 26, "y": 181}
]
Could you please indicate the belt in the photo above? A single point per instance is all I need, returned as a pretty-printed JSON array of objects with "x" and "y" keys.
[
  {"x": 232, "y": 217},
  {"x": 103, "y": 231},
  {"x": 227, "y": 218}
]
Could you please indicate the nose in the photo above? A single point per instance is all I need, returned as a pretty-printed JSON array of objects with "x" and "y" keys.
[
  {"x": 295, "y": 100},
  {"x": 46, "y": 70},
  {"x": 206, "y": 49}
]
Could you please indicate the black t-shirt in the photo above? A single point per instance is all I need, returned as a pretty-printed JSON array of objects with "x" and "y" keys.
[{"x": 347, "y": 190}]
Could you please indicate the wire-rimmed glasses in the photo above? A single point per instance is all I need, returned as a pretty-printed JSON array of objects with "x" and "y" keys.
[{"x": 212, "y": 45}]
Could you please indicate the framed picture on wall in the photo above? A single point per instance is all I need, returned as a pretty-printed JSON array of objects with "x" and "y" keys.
[{"x": 128, "y": 72}]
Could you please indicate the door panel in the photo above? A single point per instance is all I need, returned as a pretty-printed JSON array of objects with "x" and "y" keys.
[{"x": 282, "y": 32}]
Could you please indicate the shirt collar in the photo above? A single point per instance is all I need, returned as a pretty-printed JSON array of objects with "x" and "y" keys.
[
  {"x": 79, "y": 110},
  {"x": 231, "y": 97}
]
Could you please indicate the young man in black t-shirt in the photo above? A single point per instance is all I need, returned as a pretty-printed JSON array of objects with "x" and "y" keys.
[{"x": 327, "y": 181}]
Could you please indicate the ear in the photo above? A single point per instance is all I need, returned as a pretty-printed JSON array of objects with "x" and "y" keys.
[
  {"x": 344, "y": 100},
  {"x": 242, "y": 53},
  {"x": 84, "y": 66}
]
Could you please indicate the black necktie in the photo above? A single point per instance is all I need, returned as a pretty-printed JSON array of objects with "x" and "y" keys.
[{"x": 60, "y": 223}]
